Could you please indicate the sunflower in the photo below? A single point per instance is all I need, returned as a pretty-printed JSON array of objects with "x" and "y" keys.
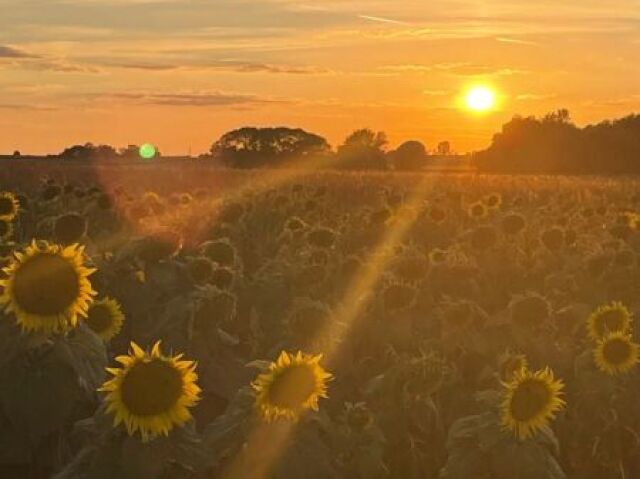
[
  {"x": 47, "y": 287},
  {"x": 105, "y": 318},
  {"x": 9, "y": 205},
  {"x": 151, "y": 392},
  {"x": 616, "y": 353},
  {"x": 437, "y": 214},
  {"x": 437, "y": 256},
  {"x": 493, "y": 200},
  {"x": 477, "y": 210},
  {"x": 612, "y": 317},
  {"x": 6, "y": 229},
  {"x": 292, "y": 384},
  {"x": 531, "y": 400}
]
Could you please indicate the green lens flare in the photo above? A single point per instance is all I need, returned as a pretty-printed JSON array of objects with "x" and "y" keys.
[{"x": 147, "y": 151}]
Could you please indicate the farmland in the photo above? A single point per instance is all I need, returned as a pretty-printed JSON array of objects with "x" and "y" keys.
[{"x": 302, "y": 324}]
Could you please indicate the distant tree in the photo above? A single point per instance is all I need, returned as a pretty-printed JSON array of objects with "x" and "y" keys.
[
  {"x": 444, "y": 148},
  {"x": 17, "y": 154},
  {"x": 131, "y": 152},
  {"x": 89, "y": 152},
  {"x": 411, "y": 155},
  {"x": 256, "y": 147},
  {"x": 363, "y": 150},
  {"x": 553, "y": 144}
]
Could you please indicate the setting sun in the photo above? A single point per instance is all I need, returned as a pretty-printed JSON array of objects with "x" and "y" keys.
[{"x": 480, "y": 98}]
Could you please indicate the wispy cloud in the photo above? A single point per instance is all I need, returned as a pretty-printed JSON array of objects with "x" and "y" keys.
[
  {"x": 195, "y": 99},
  {"x": 237, "y": 66},
  {"x": 455, "y": 68},
  {"x": 382, "y": 20},
  {"x": 517, "y": 41},
  {"x": 10, "y": 52}
]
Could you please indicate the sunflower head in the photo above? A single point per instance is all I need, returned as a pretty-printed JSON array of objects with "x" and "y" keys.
[
  {"x": 531, "y": 399},
  {"x": 47, "y": 287},
  {"x": 616, "y": 353},
  {"x": 9, "y": 205},
  {"x": 553, "y": 238},
  {"x": 614, "y": 317},
  {"x": 151, "y": 393},
  {"x": 200, "y": 269},
  {"x": 105, "y": 318},
  {"x": 437, "y": 214},
  {"x": 69, "y": 228},
  {"x": 6, "y": 229},
  {"x": 493, "y": 200},
  {"x": 294, "y": 383},
  {"x": 477, "y": 210},
  {"x": 399, "y": 297},
  {"x": 437, "y": 256},
  {"x": 513, "y": 223}
]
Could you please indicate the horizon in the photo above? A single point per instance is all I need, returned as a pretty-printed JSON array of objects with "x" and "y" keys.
[{"x": 179, "y": 74}]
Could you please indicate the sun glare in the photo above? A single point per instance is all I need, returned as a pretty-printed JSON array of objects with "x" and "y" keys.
[{"x": 480, "y": 98}]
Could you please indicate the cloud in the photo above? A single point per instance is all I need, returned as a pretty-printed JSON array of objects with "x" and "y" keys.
[
  {"x": 10, "y": 52},
  {"x": 382, "y": 20},
  {"x": 224, "y": 65},
  {"x": 196, "y": 99},
  {"x": 455, "y": 68},
  {"x": 516, "y": 41},
  {"x": 16, "y": 106},
  {"x": 535, "y": 96}
]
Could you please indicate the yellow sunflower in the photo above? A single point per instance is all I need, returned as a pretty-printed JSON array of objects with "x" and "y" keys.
[
  {"x": 151, "y": 392},
  {"x": 616, "y": 353},
  {"x": 9, "y": 205},
  {"x": 47, "y": 287},
  {"x": 531, "y": 400},
  {"x": 6, "y": 229},
  {"x": 293, "y": 384},
  {"x": 607, "y": 318},
  {"x": 477, "y": 210},
  {"x": 105, "y": 318}
]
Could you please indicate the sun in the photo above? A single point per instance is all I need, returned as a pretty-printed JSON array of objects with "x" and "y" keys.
[{"x": 480, "y": 99}]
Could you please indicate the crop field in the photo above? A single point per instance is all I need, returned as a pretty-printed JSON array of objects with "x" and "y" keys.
[{"x": 163, "y": 321}]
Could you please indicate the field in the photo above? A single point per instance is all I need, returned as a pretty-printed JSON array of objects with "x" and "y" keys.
[{"x": 292, "y": 324}]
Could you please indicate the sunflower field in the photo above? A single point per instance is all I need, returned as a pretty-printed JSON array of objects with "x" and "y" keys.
[{"x": 181, "y": 323}]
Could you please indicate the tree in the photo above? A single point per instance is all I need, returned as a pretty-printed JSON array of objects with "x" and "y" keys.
[
  {"x": 256, "y": 147},
  {"x": 17, "y": 154},
  {"x": 444, "y": 148},
  {"x": 411, "y": 155},
  {"x": 89, "y": 152},
  {"x": 553, "y": 144},
  {"x": 363, "y": 150}
]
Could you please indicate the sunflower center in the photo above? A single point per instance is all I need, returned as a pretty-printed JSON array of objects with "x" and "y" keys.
[
  {"x": 610, "y": 321},
  {"x": 151, "y": 387},
  {"x": 6, "y": 206},
  {"x": 616, "y": 351},
  {"x": 46, "y": 285},
  {"x": 4, "y": 228},
  {"x": 529, "y": 400},
  {"x": 99, "y": 318},
  {"x": 292, "y": 387}
]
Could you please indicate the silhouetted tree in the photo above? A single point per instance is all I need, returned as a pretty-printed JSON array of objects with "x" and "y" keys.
[
  {"x": 17, "y": 154},
  {"x": 411, "y": 155},
  {"x": 444, "y": 148},
  {"x": 89, "y": 152},
  {"x": 255, "y": 147},
  {"x": 555, "y": 145},
  {"x": 363, "y": 150}
]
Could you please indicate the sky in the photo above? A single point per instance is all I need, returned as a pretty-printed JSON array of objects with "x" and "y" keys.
[{"x": 180, "y": 73}]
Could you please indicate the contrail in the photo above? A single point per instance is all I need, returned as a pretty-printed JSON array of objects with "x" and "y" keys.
[{"x": 382, "y": 20}]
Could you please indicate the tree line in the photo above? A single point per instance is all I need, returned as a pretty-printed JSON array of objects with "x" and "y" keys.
[
  {"x": 553, "y": 144},
  {"x": 251, "y": 147}
]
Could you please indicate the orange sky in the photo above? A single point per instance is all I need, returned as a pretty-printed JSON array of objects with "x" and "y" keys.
[{"x": 179, "y": 73}]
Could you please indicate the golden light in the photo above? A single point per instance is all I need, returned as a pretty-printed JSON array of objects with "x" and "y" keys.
[{"x": 480, "y": 98}]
